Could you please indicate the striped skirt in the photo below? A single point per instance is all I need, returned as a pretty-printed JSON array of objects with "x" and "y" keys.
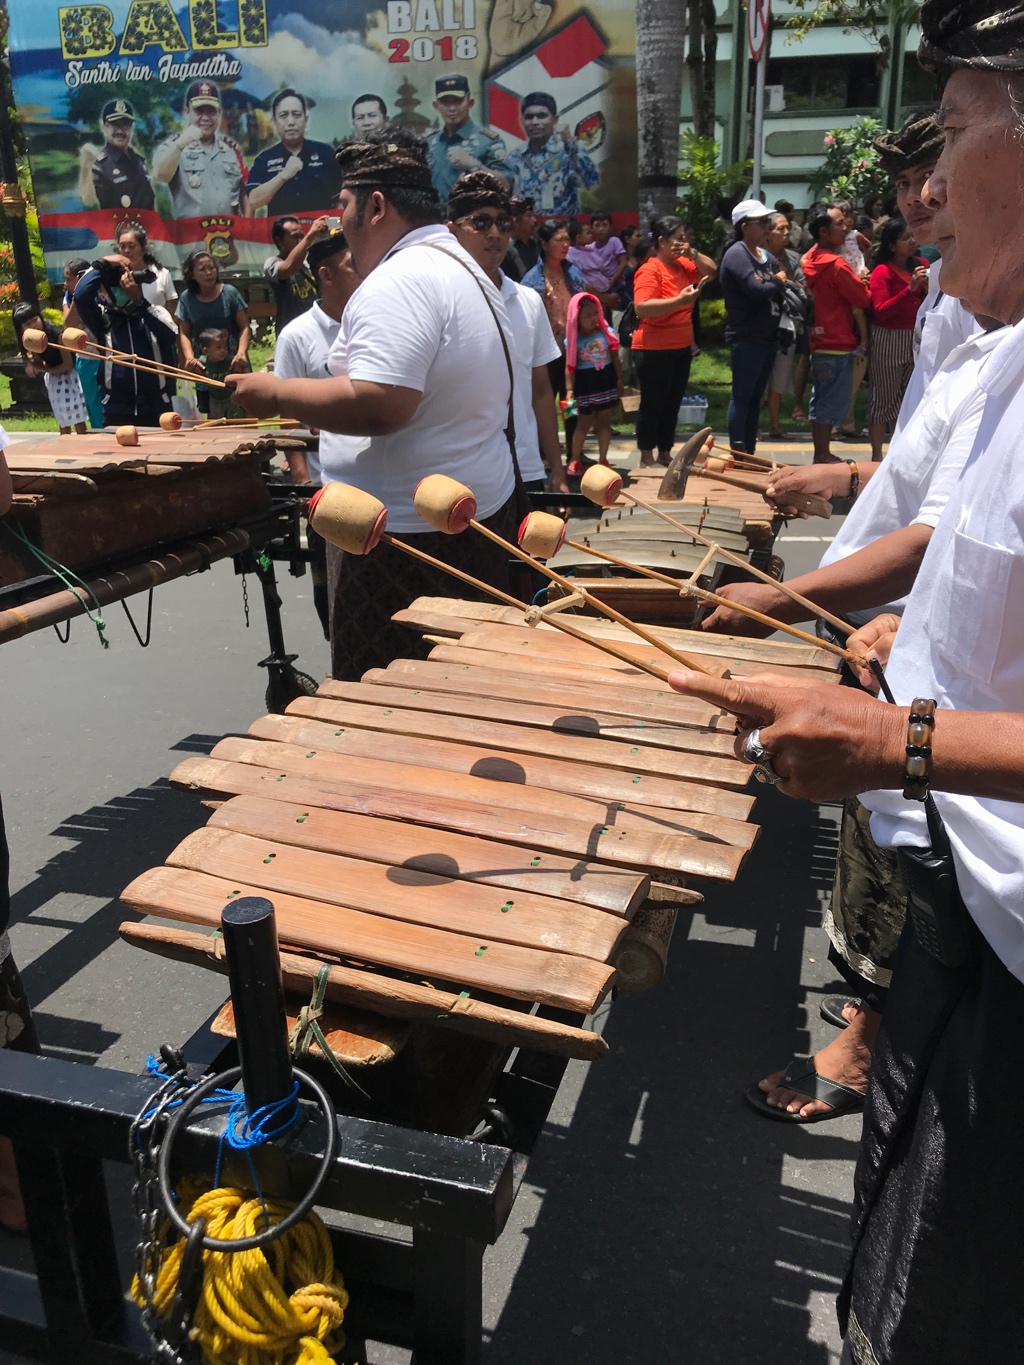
[{"x": 892, "y": 360}]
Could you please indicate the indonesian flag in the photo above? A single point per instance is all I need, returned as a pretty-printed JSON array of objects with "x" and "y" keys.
[{"x": 570, "y": 67}]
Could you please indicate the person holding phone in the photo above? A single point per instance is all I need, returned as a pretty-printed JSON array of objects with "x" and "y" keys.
[
  {"x": 752, "y": 286},
  {"x": 665, "y": 289}
]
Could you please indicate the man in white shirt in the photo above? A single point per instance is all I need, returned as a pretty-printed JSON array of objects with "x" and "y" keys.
[
  {"x": 938, "y": 1256},
  {"x": 867, "y": 570},
  {"x": 480, "y": 219},
  {"x": 302, "y": 352},
  {"x": 418, "y": 367}
]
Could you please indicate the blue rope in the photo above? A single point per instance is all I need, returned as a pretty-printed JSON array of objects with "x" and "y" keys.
[{"x": 242, "y": 1131}]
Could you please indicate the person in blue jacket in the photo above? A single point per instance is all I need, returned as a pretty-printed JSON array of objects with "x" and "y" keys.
[
  {"x": 752, "y": 288},
  {"x": 112, "y": 306}
]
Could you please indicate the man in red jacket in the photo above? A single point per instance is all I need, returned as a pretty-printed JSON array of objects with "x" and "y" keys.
[{"x": 840, "y": 330}]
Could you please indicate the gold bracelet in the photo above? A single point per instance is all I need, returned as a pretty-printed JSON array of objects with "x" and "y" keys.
[{"x": 917, "y": 776}]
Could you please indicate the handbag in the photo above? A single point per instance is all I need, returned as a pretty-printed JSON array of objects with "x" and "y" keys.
[{"x": 628, "y": 324}]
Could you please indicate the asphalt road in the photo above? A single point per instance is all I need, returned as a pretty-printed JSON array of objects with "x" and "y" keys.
[{"x": 662, "y": 1221}]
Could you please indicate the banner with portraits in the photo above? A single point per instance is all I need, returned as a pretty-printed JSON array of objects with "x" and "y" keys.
[{"x": 204, "y": 121}]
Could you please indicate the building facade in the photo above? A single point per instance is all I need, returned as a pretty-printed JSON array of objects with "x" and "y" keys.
[{"x": 824, "y": 80}]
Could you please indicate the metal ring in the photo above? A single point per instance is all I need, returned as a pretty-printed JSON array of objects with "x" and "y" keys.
[
  {"x": 753, "y": 750},
  {"x": 764, "y": 772},
  {"x": 227, "y": 1079}
]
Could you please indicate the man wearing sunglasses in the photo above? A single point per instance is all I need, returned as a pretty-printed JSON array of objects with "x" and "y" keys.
[{"x": 480, "y": 219}]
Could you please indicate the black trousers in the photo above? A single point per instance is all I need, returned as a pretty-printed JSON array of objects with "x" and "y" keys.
[
  {"x": 662, "y": 376},
  {"x": 556, "y": 373},
  {"x": 938, "y": 1259}
]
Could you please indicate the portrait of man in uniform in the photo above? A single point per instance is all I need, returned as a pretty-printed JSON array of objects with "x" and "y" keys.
[
  {"x": 203, "y": 166},
  {"x": 369, "y": 115},
  {"x": 297, "y": 173},
  {"x": 114, "y": 177},
  {"x": 553, "y": 167},
  {"x": 460, "y": 145}
]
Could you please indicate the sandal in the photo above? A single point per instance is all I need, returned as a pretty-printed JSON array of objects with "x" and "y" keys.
[
  {"x": 801, "y": 1076},
  {"x": 831, "y": 1009}
]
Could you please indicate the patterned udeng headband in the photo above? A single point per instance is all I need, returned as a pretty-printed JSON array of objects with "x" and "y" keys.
[
  {"x": 954, "y": 34},
  {"x": 383, "y": 164}
]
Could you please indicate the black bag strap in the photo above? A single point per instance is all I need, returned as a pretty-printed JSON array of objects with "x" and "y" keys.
[{"x": 523, "y": 504}]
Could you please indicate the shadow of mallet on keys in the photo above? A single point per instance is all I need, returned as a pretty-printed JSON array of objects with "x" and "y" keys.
[{"x": 355, "y": 522}]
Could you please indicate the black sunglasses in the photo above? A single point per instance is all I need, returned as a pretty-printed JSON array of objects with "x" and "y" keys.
[{"x": 480, "y": 222}]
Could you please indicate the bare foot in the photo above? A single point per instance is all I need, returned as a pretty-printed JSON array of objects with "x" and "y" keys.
[
  {"x": 845, "y": 1060},
  {"x": 646, "y": 461}
]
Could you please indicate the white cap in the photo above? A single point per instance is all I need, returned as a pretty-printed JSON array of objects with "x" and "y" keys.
[{"x": 750, "y": 208}]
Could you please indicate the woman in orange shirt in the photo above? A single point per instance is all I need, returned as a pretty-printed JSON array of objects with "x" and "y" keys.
[{"x": 665, "y": 289}]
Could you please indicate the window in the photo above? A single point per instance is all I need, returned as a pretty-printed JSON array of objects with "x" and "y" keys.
[
  {"x": 825, "y": 83},
  {"x": 920, "y": 88}
]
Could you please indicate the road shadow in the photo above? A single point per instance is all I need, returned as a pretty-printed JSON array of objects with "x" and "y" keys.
[
  {"x": 112, "y": 844},
  {"x": 675, "y": 1224}
]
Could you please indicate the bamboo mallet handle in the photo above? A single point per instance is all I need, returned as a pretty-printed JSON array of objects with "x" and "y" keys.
[
  {"x": 568, "y": 586},
  {"x": 559, "y": 622},
  {"x": 687, "y": 589},
  {"x": 812, "y": 607}
]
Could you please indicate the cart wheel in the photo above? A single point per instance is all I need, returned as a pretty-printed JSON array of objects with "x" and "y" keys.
[
  {"x": 777, "y": 568},
  {"x": 285, "y": 685}
]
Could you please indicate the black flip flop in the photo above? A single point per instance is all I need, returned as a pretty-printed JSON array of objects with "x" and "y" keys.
[
  {"x": 801, "y": 1076},
  {"x": 831, "y": 1009}
]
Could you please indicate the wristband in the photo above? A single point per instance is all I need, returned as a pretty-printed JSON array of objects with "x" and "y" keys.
[
  {"x": 917, "y": 776},
  {"x": 854, "y": 479}
]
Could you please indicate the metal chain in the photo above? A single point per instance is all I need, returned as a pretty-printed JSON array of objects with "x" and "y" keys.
[
  {"x": 170, "y": 1336},
  {"x": 245, "y": 600}
]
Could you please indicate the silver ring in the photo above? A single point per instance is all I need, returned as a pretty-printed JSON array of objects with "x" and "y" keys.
[
  {"x": 764, "y": 772},
  {"x": 753, "y": 750}
]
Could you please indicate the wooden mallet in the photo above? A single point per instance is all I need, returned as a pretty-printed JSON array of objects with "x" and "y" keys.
[
  {"x": 673, "y": 485},
  {"x": 355, "y": 522},
  {"x": 604, "y": 486},
  {"x": 77, "y": 342},
  {"x": 450, "y": 507}
]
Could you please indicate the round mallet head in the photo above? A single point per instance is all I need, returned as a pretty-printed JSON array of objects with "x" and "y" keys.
[
  {"x": 127, "y": 436},
  {"x": 541, "y": 534},
  {"x": 601, "y": 485},
  {"x": 34, "y": 341},
  {"x": 76, "y": 339},
  {"x": 715, "y": 464},
  {"x": 444, "y": 503},
  {"x": 348, "y": 517},
  {"x": 171, "y": 421}
]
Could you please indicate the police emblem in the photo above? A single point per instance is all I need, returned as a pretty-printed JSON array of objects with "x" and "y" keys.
[{"x": 219, "y": 241}]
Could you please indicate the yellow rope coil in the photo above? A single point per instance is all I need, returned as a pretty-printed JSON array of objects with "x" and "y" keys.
[{"x": 283, "y": 1305}]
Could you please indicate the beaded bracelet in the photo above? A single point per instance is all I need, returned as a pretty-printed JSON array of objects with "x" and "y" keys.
[
  {"x": 919, "y": 749},
  {"x": 854, "y": 480}
]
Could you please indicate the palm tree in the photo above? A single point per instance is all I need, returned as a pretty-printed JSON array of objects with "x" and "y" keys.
[{"x": 660, "y": 48}]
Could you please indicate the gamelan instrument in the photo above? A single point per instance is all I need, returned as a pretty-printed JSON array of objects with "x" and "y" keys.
[{"x": 513, "y": 821}]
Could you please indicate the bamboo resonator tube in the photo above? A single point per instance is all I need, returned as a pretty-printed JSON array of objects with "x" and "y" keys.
[
  {"x": 355, "y": 521},
  {"x": 603, "y": 486},
  {"x": 75, "y": 341}
]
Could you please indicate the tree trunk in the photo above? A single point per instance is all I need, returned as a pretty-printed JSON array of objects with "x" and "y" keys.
[
  {"x": 702, "y": 53},
  {"x": 660, "y": 49}
]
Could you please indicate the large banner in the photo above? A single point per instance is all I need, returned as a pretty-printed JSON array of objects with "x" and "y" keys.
[{"x": 206, "y": 121}]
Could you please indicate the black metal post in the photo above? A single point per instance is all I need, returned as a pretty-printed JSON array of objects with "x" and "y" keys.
[
  {"x": 257, "y": 994},
  {"x": 14, "y": 203}
]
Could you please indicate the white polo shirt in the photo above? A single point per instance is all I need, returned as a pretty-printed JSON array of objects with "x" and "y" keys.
[
  {"x": 302, "y": 349},
  {"x": 943, "y": 323},
  {"x": 962, "y": 642},
  {"x": 924, "y": 460},
  {"x": 419, "y": 321},
  {"x": 535, "y": 345}
]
